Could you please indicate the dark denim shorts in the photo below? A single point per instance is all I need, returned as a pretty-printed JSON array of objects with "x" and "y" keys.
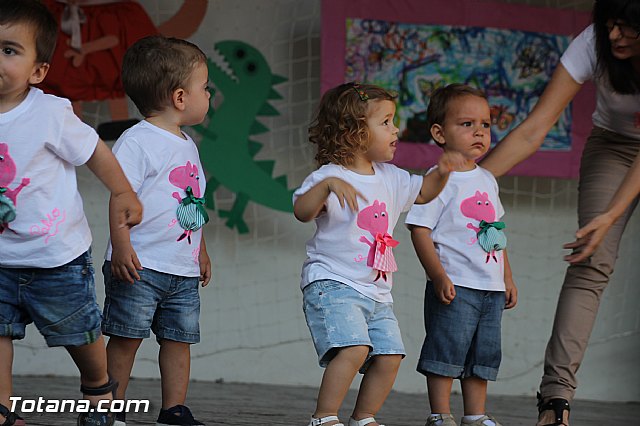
[
  {"x": 168, "y": 305},
  {"x": 60, "y": 301},
  {"x": 464, "y": 338}
]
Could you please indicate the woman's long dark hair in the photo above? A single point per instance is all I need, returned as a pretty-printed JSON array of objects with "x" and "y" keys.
[{"x": 624, "y": 79}]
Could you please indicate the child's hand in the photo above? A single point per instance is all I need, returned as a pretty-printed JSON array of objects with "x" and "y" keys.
[
  {"x": 127, "y": 209},
  {"x": 205, "y": 268},
  {"x": 125, "y": 264},
  {"x": 345, "y": 193},
  {"x": 511, "y": 293},
  {"x": 444, "y": 289},
  {"x": 449, "y": 162}
]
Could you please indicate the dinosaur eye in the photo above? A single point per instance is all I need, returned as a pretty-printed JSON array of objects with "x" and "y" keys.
[
  {"x": 190, "y": 174},
  {"x": 479, "y": 203},
  {"x": 1, "y": 157},
  {"x": 383, "y": 214},
  {"x": 240, "y": 53},
  {"x": 251, "y": 67},
  {"x": 486, "y": 203},
  {"x": 375, "y": 215},
  {"x": 197, "y": 177}
]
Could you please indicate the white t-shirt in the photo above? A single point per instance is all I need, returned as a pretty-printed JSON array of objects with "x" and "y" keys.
[
  {"x": 41, "y": 143},
  {"x": 338, "y": 251},
  {"x": 615, "y": 112},
  {"x": 454, "y": 217},
  {"x": 160, "y": 166}
]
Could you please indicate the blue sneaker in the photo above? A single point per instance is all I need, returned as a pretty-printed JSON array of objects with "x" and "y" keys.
[
  {"x": 177, "y": 415},
  {"x": 95, "y": 418}
]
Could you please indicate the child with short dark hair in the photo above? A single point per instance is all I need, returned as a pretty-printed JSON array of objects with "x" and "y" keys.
[
  {"x": 152, "y": 272},
  {"x": 461, "y": 246},
  {"x": 348, "y": 275},
  {"x": 46, "y": 271}
]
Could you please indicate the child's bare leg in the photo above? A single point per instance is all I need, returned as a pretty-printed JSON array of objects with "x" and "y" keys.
[
  {"x": 6, "y": 366},
  {"x": 91, "y": 361},
  {"x": 474, "y": 395},
  {"x": 439, "y": 389},
  {"x": 337, "y": 378},
  {"x": 121, "y": 354},
  {"x": 175, "y": 367},
  {"x": 376, "y": 385}
]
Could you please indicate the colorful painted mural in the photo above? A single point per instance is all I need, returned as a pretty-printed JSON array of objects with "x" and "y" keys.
[
  {"x": 511, "y": 66},
  {"x": 415, "y": 46}
]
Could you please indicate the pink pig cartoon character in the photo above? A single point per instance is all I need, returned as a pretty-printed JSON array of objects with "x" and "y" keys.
[
  {"x": 375, "y": 219},
  {"x": 8, "y": 197},
  {"x": 191, "y": 213},
  {"x": 490, "y": 235}
]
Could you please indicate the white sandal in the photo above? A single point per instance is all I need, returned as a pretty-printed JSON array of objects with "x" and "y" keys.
[
  {"x": 323, "y": 420},
  {"x": 363, "y": 422}
]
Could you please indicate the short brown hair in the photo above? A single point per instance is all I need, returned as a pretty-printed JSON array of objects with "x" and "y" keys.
[
  {"x": 154, "y": 67},
  {"x": 440, "y": 99},
  {"x": 339, "y": 129},
  {"x": 39, "y": 18}
]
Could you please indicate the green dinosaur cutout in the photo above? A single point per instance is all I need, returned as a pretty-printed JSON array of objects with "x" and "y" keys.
[{"x": 226, "y": 151}]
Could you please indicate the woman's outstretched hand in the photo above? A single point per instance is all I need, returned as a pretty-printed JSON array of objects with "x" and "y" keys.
[{"x": 588, "y": 238}]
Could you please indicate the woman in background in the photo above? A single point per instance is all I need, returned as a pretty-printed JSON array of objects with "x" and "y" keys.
[{"x": 607, "y": 52}]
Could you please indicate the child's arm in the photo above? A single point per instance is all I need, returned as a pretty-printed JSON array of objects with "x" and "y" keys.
[
  {"x": 103, "y": 164},
  {"x": 426, "y": 251},
  {"x": 511, "y": 291},
  {"x": 309, "y": 205},
  {"x": 432, "y": 183},
  {"x": 205, "y": 263},
  {"x": 124, "y": 260}
]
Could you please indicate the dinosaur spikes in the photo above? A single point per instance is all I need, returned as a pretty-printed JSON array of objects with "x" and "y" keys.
[
  {"x": 274, "y": 95},
  {"x": 282, "y": 180},
  {"x": 257, "y": 128},
  {"x": 254, "y": 147},
  {"x": 277, "y": 79},
  {"x": 267, "y": 109},
  {"x": 266, "y": 165}
]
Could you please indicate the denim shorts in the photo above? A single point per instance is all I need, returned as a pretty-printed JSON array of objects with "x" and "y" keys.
[
  {"x": 463, "y": 338},
  {"x": 60, "y": 301},
  {"x": 167, "y": 304},
  {"x": 338, "y": 316}
]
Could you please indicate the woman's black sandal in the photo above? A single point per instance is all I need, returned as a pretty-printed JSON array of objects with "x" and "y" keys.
[{"x": 558, "y": 406}]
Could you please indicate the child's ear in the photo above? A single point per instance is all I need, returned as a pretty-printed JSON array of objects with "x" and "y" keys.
[
  {"x": 178, "y": 99},
  {"x": 437, "y": 133},
  {"x": 39, "y": 73}
]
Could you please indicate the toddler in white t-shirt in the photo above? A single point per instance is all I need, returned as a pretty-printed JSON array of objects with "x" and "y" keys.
[
  {"x": 46, "y": 271},
  {"x": 459, "y": 240},
  {"x": 355, "y": 199},
  {"x": 153, "y": 272}
]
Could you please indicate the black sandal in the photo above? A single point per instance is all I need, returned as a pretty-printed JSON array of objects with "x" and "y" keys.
[
  {"x": 11, "y": 417},
  {"x": 557, "y": 405},
  {"x": 94, "y": 417}
]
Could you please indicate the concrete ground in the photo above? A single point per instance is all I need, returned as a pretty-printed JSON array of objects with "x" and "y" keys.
[{"x": 254, "y": 404}]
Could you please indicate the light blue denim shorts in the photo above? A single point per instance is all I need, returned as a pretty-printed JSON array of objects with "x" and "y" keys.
[
  {"x": 168, "y": 305},
  {"x": 60, "y": 301},
  {"x": 338, "y": 316},
  {"x": 463, "y": 338}
]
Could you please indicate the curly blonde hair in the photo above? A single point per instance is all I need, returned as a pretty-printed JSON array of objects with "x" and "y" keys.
[{"x": 339, "y": 129}]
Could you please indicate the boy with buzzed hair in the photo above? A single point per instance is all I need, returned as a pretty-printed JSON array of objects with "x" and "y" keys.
[
  {"x": 460, "y": 242},
  {"x": 46, "y": 271},
  {"x": 152, "y": 272}
]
